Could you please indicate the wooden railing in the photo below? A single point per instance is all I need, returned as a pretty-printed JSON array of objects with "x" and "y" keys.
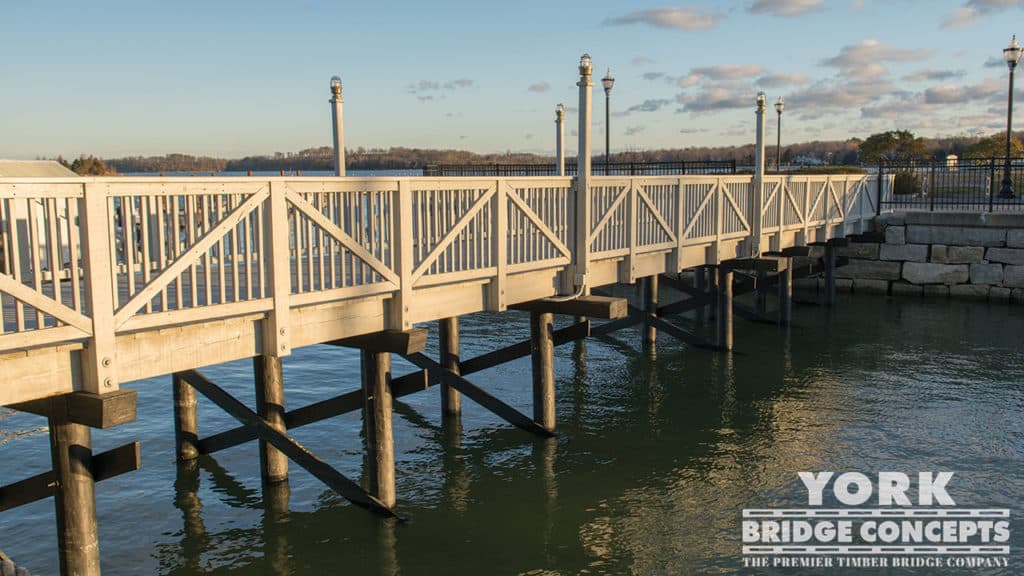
[{"x": 91, "y": 259}]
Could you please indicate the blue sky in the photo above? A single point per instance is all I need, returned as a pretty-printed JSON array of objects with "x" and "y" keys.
[{"x": 237, "y": 78}]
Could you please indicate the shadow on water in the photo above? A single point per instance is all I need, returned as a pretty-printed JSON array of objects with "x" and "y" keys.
[{"x": 656, "y": 457}]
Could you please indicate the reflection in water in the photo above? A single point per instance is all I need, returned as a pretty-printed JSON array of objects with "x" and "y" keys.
[
  {"x": 654, "y": 462},
  {"x": 275, "y": 527}
]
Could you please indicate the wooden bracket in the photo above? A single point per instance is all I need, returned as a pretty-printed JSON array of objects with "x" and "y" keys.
[
  {"x": 396, "y": 341},
  {"x": 86, "y": 408},
  {"x": 591, "y": 306}
]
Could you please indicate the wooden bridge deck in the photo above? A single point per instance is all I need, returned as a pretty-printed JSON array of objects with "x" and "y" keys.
[{"x": 110, "y": 280}]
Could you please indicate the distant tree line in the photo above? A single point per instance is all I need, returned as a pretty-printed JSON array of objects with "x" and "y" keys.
[{"x": 894, "y": 144}]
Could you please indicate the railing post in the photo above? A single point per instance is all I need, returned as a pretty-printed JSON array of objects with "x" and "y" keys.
[
  {"x": 878, "y": 204},
  {"x": 275, "y": 334},
  {"x": 991, "y": 183},
  {"x": 757, "y": 182},
  {"x": 99, "y": 374},
  {"x": 398, "y": 314},
  {"x": 581, "y": 247}
]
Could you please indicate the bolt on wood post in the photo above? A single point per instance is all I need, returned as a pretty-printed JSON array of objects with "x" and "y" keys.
[
  {"x": 186, "y": 421},
  {"x": 830, "y": 274},
  {"x": 725, "y": 308},
  {"x": 542, "y": 346},
  {"x": 376, "y": 368},
  {"x": 448, "y": 334},
  {"x": 75, "y": 499},
  {"x": 786, "y": 294},
  {"x": 270, "y": 406},
  {"x": 650, "y": 310}
]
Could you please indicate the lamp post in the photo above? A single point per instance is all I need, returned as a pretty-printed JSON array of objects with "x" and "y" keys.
[
  {"x": 1012, "y": 55},
  {"x": 608, "y": 81},
  {"x": 581, "y": 217},
  {"x": 778, "y": 135},
  {"x": 339, "y": 130},
  {"x": 560, "y": 140}
]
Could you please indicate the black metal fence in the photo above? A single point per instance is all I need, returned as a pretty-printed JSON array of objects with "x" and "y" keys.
[
  {"x": 597, "y": 168},
  {"x": 970, "y": 185}
]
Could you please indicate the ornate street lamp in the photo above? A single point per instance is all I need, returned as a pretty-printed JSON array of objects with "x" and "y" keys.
[
  {"x": 778, "y": 135},
  {"x": 1012, "y": 55},
  {"x": 608, "y": 81}
]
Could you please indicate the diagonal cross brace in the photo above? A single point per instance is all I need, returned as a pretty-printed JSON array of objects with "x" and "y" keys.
[
  {"x": 478, "y": 395},
  {"x": 337, "y": 481}
]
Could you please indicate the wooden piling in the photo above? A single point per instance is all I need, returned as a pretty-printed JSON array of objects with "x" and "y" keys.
[
  {"x": 651, "y": 310},
  {"x": 75, "y": 499},
  {"x": 761, "y": 293},
  {"x": 543, "y": 348},
  {"x": 186, "y": 422},
  {"x": 830, "y": 274},
  {"x": 700, "y": 283},
  {"x": 448, "y": 334},
  {"x": 270, "y": 407},
  {"x": 712, "y": 272},
  {"x": 376, "y": 369},
  {"x": 786, "y": 295},
  {"x": 724, "y": 312}
]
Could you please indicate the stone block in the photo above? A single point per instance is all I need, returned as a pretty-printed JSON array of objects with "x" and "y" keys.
[
  {"x": 939, "y": 254},
  {"x": 1015, "y": 238},
  {"x": 999, "y": 294},
  {"x": 862, "y": 250},
  {"x": 1017, "y": 296},
  {"x": 935, "y": 291},
  {"x": 964, "y": 254},
  {"x": 805, "y": 284},
  {"x": 896, "y": 235},
  {"x": 1013, "y": 256},
  {"x": 982, "y": 273},
  {"x": 894, "y": 219},
  {"x": 956, "y": 235},
  {"x": 1013, "y": 276},
  {"x": 931, "y": 273},
  {"x": 904, "y": 289},
  {"x": 871, "y": 269},
  {"x": 969, "y": 291},
  {"x": 844, "y": 285},
  {"x": 815, "y": 252},
  {"x": 868, "y": 286},
  {"x": 904, "y": 252}
]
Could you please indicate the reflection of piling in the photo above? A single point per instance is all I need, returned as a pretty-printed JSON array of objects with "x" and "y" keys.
[
  {"x": 186, "y": 499},
  {"x": 650, "y": 290},
  {"x": 275, "y": 519}
]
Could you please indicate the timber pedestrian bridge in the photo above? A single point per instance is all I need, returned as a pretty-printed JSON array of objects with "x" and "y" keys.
[{"x": 106, "y": 281}]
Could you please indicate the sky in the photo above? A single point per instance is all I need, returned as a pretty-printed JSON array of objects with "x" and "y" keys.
[{"x": 231, "y": 79}]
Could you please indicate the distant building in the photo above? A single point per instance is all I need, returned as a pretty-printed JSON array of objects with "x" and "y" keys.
[{"x": 34, "y": 169}]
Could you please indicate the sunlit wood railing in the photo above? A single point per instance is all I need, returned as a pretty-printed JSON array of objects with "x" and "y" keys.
[{"x": 90, "y": 259}]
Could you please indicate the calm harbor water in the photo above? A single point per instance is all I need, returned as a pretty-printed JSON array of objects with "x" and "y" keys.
[{"x": 655, "y": 460}]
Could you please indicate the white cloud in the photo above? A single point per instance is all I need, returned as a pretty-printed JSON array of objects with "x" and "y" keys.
[
  {"x": 974, "y": 9},
  {"x": 933, "y": 74},
  {"x": 960, "y": 18},
  {"x": 689, "y": 80},
  {"x": 539, "y": 87},
  {"x": 630, "y": 131},
  {"x": 784, "y": 7},
  {"x": 866, "y": 59},
  {"x": 727, "y": 71},
  {"x": 953, "y": 94},
  {"x": 676, "y": 18},
  {"x": 652, "y": 75},
  {"x": 642, "y": 60},
  {"x": 651, "y": 105},
  {"x": 714, "y": 100},
  {"x": 776, "y": 80}
]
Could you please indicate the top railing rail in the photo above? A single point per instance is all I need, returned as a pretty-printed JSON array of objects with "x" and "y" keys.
[{"x": 640, "y": 168}]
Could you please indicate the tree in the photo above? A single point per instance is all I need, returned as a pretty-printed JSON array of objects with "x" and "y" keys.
[
  {"x": 90, "y": 166},
  {"x": 892, "y": 145},
  {"x": 994, "y": 146}
]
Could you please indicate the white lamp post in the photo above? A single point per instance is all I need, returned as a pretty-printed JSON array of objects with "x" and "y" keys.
[
  {"x": 339, "y": 129},
  {"x": 560, "y": 140},
  {"x": 1012, "y": 55},
  {"x": 778, "y": 136},
  {"x": 581, "y": 222},
  {"x": 608, "y": 81}
]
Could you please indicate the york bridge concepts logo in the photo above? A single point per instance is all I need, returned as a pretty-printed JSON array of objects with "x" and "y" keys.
[{"x": 910, "y": 527}]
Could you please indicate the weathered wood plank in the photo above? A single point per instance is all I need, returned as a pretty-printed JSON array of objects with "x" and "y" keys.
[{"x": 396, "y": 341}]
